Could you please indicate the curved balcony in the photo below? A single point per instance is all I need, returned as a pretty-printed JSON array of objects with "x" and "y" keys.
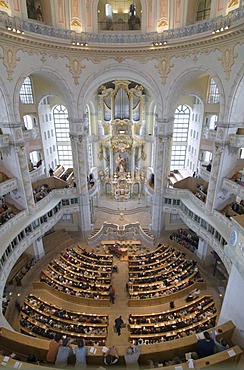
[
  {"x": 32, "y": 134},
  {"x": 233, "y": 187},
  {"x": 4, "y": 140},
  {"x": 97, "y": 39},
  {"x": 236, "y": 140},
  {"x": 7, "y": 186}
]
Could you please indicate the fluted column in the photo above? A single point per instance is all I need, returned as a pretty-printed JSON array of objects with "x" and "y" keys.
[
  {"x": 25, "y": 176},
  {"x": 162, "y": 161},
  {"x": 213, "y": 181},
  {"x": 132, "y": 169},
  {"x": 38, "y": 248},
  {"x": 80, "y": 162}
]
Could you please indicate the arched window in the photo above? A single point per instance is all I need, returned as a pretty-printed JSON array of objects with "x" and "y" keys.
[
  {"x": 60, "y": 116},
  {"x": 213, "y": 92},
  {"x": 26, "y": 94},
  {"x": 119, "y": 15},
  {"x": 180, "y": 137},
  {"x": 203, "y": 10}
]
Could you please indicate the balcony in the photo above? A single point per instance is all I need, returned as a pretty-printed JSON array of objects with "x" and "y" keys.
[
  {"x": 4, "y": 141},
  {"x": 209, "y": 134},
  {"x": 237, "y": 140},
  {"x": 32, "y": 134}
]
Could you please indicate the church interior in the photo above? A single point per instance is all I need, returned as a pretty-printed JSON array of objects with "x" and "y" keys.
[{"x": 122, "y": 181}]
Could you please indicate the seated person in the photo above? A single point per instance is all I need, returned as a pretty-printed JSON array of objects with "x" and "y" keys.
[
  {"x": 132, "y": 355},
  {"x": 111, "y": 356},
  {"x": 64, "y": 352},
  {"x": 205, "y": 347},
  {"x": 219, "y": 346}
]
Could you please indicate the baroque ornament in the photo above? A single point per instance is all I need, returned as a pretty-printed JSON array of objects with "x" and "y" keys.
[
  {"x": 227, "y": 59},
  {"x": 76, "y": 23},
  {"x": 9, "y": 60},
  {"x": 75, "y": 68},
  {"x": 4, "y": 4},
  {"x": 164, "y": 67}
]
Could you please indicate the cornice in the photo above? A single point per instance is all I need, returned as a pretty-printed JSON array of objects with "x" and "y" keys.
[{"x": 42, "y": 46}]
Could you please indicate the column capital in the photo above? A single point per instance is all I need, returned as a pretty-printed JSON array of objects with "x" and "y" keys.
[
  {"x": 79, "y": 125},
  {"x": 76, "y": 138}
]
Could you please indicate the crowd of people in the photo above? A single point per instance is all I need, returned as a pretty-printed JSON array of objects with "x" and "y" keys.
[
  {"x": 181, "y": 322},
  {"x": 186, "y": 238},
  {"x": 41, "y": 192},
  {"x": 171, "y": 272}
]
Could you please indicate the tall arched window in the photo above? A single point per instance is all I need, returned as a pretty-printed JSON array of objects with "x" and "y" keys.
[
  {"x": 26, "y": 94},
  {"x": 213, "y": 92},
  {"x": 60, "y": 116},
  {"x": 180, "y": 137}
]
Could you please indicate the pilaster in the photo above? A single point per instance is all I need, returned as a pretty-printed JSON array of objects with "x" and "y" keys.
[{"x": 38, "y": 249}]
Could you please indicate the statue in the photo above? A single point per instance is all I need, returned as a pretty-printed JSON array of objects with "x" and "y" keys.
[{"x": 119, "y": 163}]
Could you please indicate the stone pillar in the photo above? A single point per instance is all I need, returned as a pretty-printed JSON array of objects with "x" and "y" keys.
[
  {"x": 161, "y": 172},
  {"x": 38, "y": 249},
  {"x": 25, "y": 176},
  {"x": 111, "y": 162},
  {"x": 132, "y": 169},
  {"x": 80, "y": 161},
  {"x": 202, "y": 250},
  {"x": 213, "y": 180}
]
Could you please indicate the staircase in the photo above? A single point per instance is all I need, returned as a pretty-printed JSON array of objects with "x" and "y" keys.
[{"x": 178, "y": 175}]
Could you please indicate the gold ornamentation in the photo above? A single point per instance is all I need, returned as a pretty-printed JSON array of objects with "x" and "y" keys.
[
  {"x": 164, "y": 67},
  {"x": 232, "y": 3},
  {"x": 9, "y": 60},
  {"x": 4, "y": 4},
  {"x": 76, "y": 23},
  {"x": 162, "y": 23},
  {"x": 75, "y": 68},
  {"x": 227, "y": 59}
]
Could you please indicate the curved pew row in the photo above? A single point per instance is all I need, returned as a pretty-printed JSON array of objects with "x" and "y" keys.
[
  {"x": 192, "y": 318},
  {"x": 22, "y": 345},
  {"x": 81, "y": 275},
  {"x": 158, "y": 277},
  {"x": 42, "y": 319}
]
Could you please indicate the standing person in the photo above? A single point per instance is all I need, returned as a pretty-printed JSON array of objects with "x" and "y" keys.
[
  {"x": 64, "y": 352},
  {"x": 80, "y": 354},
  {"x": 112, "y": 294},
  {"x": 53, "y": 348},
  {"x": 118, "y": 324},
  {"x": 132, "y": 355}
]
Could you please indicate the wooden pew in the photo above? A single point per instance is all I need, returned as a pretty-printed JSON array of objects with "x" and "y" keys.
[{"x": 20, "y": 344}]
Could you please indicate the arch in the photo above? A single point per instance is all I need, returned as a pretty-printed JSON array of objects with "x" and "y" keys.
[
  {"x": 56, "y": 78},
  {"x": 183, "y": 79},
  {"x": 125, "y": 72},
  {"x": 236, "y": 98},
  {"x": 6, "y": 112}
]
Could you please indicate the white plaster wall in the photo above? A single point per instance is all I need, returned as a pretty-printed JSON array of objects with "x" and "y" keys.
[{"x": 232, "y": 308}]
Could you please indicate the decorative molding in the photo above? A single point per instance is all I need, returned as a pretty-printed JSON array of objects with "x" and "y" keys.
[
  {"x": 75, "y": 23},
  {"x": 75, "y": 67},
  {"x": 227, "y": 59},
  {"x": 10, "y": 60},
  {"x": 164, "y": 67},
  {"x": 4, "y": 4}
]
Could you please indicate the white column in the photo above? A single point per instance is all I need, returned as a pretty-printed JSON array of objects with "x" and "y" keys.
[
  {"x": 213, "y": 181},
  {"x": 80, "y": 162},
  {"x": 38, "y": 249},
  {"x": 232, "y": 307},
  {"x": 162, "y": 150},
  {"x": 25, "y": 175},
  {"x": 202, "y": 250}
]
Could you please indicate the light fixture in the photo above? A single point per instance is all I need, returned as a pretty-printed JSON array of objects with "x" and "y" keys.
[
  {"x": 78, "y": 43},
  {"x": 15, "y": 30}
]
